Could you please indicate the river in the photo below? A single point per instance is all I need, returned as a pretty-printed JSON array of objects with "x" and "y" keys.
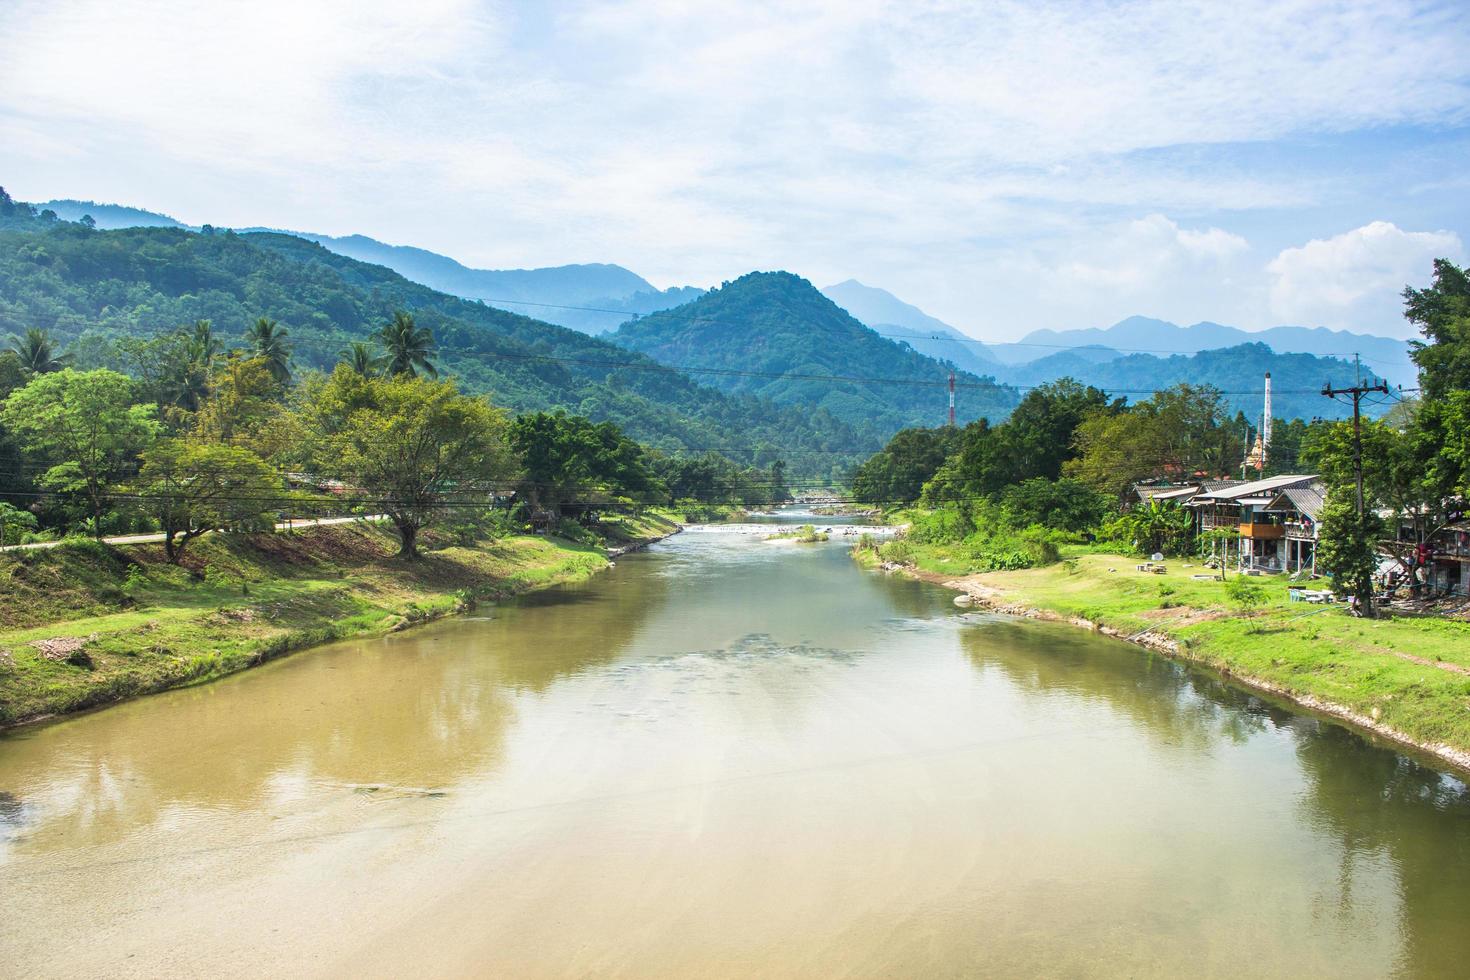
[{"x": 726, "y": 757}]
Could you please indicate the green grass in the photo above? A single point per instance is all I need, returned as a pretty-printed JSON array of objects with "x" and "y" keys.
[
  {"x": 242, "y": 599},
  {"x": 1410, "y": 673}
]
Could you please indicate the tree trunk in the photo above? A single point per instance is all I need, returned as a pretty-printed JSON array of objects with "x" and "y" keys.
[
  {"x": 169, "y": 551},
  {"x": 408, "y": 536}
]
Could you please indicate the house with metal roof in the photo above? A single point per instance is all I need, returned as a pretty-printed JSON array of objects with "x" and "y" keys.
[
  {"x": 1259, "y": 534},
  {"x": 1300, "y": 510}
]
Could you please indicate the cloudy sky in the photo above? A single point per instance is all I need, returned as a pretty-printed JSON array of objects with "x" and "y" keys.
[{"x": 1005, "y": 165}]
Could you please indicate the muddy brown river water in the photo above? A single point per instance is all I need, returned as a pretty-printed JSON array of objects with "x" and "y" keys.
[{"x": 726, "y": 757}]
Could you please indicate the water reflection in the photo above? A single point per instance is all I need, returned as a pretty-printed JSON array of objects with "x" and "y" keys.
[{"x": 732, "y": 757}]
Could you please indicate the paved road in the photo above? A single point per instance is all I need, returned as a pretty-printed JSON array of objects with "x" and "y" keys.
[{"x": 146, "y": 538}]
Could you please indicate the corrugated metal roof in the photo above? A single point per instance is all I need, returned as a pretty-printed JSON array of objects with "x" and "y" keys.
[
  {"x": 1255, "y": 488},
  {"x": 1308, "y": 499}
]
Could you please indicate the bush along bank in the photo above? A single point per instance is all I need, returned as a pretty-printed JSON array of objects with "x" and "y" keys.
[
  {"x": 87, "y": 624},
  {"x": 1406, "y": 678}
]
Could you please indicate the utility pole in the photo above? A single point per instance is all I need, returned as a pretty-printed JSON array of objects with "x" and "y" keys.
[
  {"x": 1357, "y": 391},
  {"x": 951, "y": 399}
]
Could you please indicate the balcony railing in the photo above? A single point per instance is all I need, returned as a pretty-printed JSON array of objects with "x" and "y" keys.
[{"x": 1262, "y": 532}]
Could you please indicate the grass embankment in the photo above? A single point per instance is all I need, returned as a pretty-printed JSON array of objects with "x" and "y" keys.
[
  {"x": 85, "y": 624},
  {"x": 1407, "y": 677}
]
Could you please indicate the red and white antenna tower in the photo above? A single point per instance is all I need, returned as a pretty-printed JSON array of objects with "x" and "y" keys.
[{"x": 951, "y": 398}]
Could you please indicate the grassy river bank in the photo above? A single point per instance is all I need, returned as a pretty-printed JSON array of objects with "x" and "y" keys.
[
  {"x": 1406, "y": 678},
  {"x": 87, "y": 624}
]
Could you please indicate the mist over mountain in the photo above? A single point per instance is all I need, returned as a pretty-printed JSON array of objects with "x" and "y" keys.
[
  {"x": 891, "y": 316},
  {"x": 1386, "y": 356},
  {"x": 109, "y": 216}
]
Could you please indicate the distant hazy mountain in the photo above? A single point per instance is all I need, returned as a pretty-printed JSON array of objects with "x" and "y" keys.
[
  {"x": 1384, "y": 356},
  {"x": 1239, "y": 371},
  {"x": 518, "y": 288},
  {"x": 110, "y": 215},
  {"x": 772, "y": 335},
  {"x": 533, "y": 292},
  {"x": 892, "y": 317}
]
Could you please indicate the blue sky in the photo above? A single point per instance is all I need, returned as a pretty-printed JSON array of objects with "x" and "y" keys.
[{"x": 1006, "y": 165}]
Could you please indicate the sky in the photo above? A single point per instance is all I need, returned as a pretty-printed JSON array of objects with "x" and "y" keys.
[{"x": 1004, "y": 165}]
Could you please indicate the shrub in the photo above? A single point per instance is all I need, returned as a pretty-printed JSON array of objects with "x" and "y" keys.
[
  {"x": 898, "y": 550},
  {"x": 1244, "y": 594}
]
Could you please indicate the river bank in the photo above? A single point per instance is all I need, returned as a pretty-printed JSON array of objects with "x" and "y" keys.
[
  {"x": 1404, "y": 678},
  {"x": 84, "y": 625}
]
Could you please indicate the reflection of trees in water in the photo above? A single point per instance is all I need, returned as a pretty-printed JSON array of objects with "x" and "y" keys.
[
  {"x": 1374, "y": 802},
  {"x": 1166, "y": 699},
  {"x": 540, "y": 638},
  {"x": 423, "y": 709}
]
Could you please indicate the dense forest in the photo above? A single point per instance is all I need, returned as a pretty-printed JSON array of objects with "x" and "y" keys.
[
  {"x": 774, "y": 323},
  {"x": 93, "y": 289}
]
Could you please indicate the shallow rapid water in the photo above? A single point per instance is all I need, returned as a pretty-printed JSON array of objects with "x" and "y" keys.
[{"x": 726, "y": 757}]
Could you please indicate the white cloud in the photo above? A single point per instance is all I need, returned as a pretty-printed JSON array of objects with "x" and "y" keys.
[
  {"x": 1354, "y": 279},
  {"x": 1151, "y": 253},
  {"x": 902, "y": 142}
]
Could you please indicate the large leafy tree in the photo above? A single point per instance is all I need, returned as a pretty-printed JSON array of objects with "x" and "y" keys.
[
  {"x": 1442, "y": 424},
  {"x": 193, "y": 487},
  {"x": 567, "y": 458},
  {"x": 410, "y": 445},
  {"x": 267, "y": 340},
  {"x": 1348, "y": 545},
  {"x": 244, "y": 407},
  {"x": 37, "y": 352},
  {"x": 177, "y": 366},
  {"x": 408, "y": 347},
  {"x": 1181, "y": 432},
  {"x": 898, "y": 473},
  {"x": 1036, "y": 442},
  {"x": 84, "y": 429}
]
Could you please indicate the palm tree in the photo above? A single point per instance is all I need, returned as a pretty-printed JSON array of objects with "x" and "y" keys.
[
  {"x": 35, "y": 352},
  {"x": 267, "y": 340},
  {"x": 361, "y": 358},
  {"x": 409, "y": 347},
  {"x": 188, "y": 383}
]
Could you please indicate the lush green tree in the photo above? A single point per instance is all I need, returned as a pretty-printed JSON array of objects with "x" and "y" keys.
[
  {"x": 1440, "y": 431},
  {"x": 360, "y": 358},
  {"x": 898, "y": 473},
  {"x": 411, "y": 445},
  {"x": 37, "y": 352},
  {"x": 84, "y": 428},
  {"x": 14, "y": 523},
  {"x": 12, "y": 373},
  {"x": 409, "y": 347},
  {"x": 175, "y": 367},
  {"x": 1063, "y": 505},
  {"x": 1157, "y": 526},
  {"x": 267, "y": 340},
  {"x": 567, "y": 458},
  {"x": 194, "y": 487},
  {"x": 1181, "y": 432},
  {"x": 244, "y": 407},
  {"x": 1347, "y": 548}
]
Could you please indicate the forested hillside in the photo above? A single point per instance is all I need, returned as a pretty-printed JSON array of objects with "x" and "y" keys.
[
  {"x": 1239, "y": 372},
  {"x": 780, "y": 338},
  {"x": 92, "y": 288}
]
